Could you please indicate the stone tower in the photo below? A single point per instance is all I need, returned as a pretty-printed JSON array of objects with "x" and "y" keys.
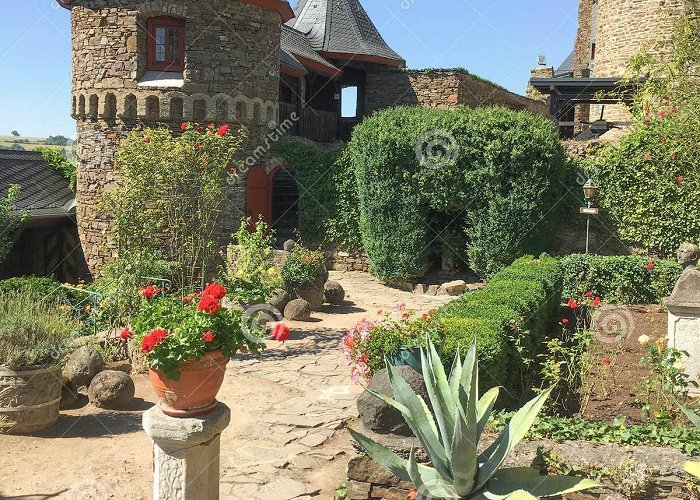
[
  {"x": 139, "y": 62},
  {"x": 612, "y": 32}
]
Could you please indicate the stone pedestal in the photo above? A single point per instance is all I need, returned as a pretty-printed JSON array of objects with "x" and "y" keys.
[
  {"x": 186, "y": 453},
  {"x": 684, "y": 335}
]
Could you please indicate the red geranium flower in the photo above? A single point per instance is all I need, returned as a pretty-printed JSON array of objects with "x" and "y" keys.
[
  {"x": 183, "y": 126},
  {"x": 208, "y": 337},
  {"x": 647, "y": 121},
  {"x": 650, "y": 266},
  {"x": 647, "y": 156},
  {"x": 588, "y": 294},
  {"x": 211, "y": 126},
  {"x": 209, "y": 304},
  {"x": 187, "y": 299},
  {"x": 596, "y": 302},
  {"x": 662, "y": 113},
  {"x": 150, "y": 291},
  {"x": 572, "y": 304},
  {"x": 223, "y": 130},
  {"x": 607, "y": 361},
  {"x": 126, "y": 334},
  {"x": 680, "y": 179},
  {"x": 197, "y": 145},
  {"x": 280, "y": 332},
  {"x": 565, "y": 321},
  {"x": 147, "y": 139},
  {"x": 153, "y": 339},
  {"x": 215, "y": 290},
  {"x": 200, "y": 129}
]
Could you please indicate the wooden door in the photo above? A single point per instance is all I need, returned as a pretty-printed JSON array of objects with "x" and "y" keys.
[{"x": 259, "y": 195}]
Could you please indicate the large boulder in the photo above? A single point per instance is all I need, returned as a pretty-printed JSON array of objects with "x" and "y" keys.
[
  {"x": 279, "y": 299},
  {"x": 297, "y": 310},
  {"x": 334, "y": 293},
  {"x": 111, "y": 389},
  {"x": 69, "y": 396},
  {"x": 82, "y": 365},
  {"x": 289, "y": 245},
  {"x": 453, "y": 288},
  {"x": 380, "y": 417},
  {"x": 313, "y": 294}
]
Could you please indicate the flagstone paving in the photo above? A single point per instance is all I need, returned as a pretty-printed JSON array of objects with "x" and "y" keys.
[{"x": 295, "y": 447}]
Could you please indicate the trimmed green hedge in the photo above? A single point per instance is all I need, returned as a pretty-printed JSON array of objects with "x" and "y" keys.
[
  {"x": 619, "y": 279},
  {"x": 42, "y": 287},
  {"x": 518, "y": 303},
  {"x": 328, "y": 204},
  {"x": 493, "y": 196}
]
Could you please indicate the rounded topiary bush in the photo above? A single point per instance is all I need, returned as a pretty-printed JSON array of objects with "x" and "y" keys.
[{"x": 487, "y": 189}]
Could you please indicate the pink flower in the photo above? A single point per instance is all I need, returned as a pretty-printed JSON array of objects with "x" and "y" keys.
[
  {"x": 572, "y": 304},
  {"x": 596, "y": 302},
  {"x": 662, "y": 113},
  {"x": 650, "y": 266},
  {"x": 647, "y": 156},
  {"x": 680, "y": 179},
  {"x": 673, "y": 157},
  {"x": 565, "y": 321},
  {"x": 588, "y": 294}
]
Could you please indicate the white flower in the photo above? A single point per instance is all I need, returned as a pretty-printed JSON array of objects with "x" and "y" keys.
[
  {"x": 644, "y": 339},
  {"x": 679, "y": 366}
]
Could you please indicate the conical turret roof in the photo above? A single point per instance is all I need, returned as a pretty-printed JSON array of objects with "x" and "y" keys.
[{"x": 341, "y": 29}]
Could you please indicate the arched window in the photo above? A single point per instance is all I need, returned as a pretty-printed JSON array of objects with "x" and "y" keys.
[
  {"x": 81, "y": 106},
  {"x": 221, "y": 110},
  {"x": 200, "y": 110},
  {"x": 166, "y": 44},
  {"x": 130, "y": 107},
  {"x": 152, "y": 109},
  {"x": 110, "y": 112},
  {"x": 94, "y": 105},
  {"x": 176, "y": 105}
]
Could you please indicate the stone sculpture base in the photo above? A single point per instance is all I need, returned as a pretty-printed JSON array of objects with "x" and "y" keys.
[
  {"x": 186, "y": 453},
  {"x": 684, "y": 335}
]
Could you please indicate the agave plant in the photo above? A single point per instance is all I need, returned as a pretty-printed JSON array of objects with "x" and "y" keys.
[
  {"x": 451, "y": 433},
  {"x": 692, "y": 468}
]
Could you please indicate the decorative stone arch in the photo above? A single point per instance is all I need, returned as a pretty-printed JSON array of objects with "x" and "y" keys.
[
  {"x": 130, "y": 110},
  {"x": 271, "y": 113},
  {"x": 257, "y": 111},
  {"x": 74, "y": 108},
  {"x": 152, "y": 108},
  {"x": 109, "y": 111},
  {"x": 176, "y": 106},
  {"x": 241, "y": 109},
  {"x": 222, "y": 108},
  {"x": 81, "y": 106},
  {"x": 94, "y": 107},
  {"x": 203, "y": 104}
]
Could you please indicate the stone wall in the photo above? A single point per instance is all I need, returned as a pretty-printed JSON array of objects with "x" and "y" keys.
[
  {"x": 637, "y": 472},
  {"x": 440, "y": 89},
  {"x": 231, "y": 75},
  {"x": 344, "y": 261},
  {"x": 539, "y": 72}
]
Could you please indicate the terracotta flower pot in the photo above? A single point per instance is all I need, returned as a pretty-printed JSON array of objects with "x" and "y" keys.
[{"x": 195, "y": 392}]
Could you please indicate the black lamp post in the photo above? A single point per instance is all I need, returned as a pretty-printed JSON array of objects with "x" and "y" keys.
[{"x": 590, "y": 192}]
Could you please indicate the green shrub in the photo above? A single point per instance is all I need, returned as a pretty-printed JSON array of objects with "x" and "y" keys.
[
  {"x": 34, "y": 330},
  {"x": 39, "y": 286},
  {"x": 619, "y": 279},
  {"x": 328, "y": 204},
  {"x": 498, "y": 182},
  {"x": 509, "y": 319},
  {"x": 56, "y": 158},
  {"x": 303, "y": 267},
  {"x": 10, "y": 221}
]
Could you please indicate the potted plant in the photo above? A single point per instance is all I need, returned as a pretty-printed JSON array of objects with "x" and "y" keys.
[
  {"x": 35, "y": 333},
  {"x": 187, "y": 342},
  {"x": 305, "y": 274}
]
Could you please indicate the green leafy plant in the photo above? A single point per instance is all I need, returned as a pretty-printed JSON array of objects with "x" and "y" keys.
[
  {"x": 303, "y": 267},
  {"x": 576, "y": 429},
  {"x": 692, "y": 468},
  {"x": 171, "y": 198},
  {"x": 56, "y": 158},
  {"x": 252, "y": 274},
  {"x": 10, "y": 220},
  {"x": 35, "y": 330},
  {"x": 667, "y": 381},
  {"x": 450, "y": 435},
  {"x": 630, "y": 279},
  {"x": 172, "y": 329},
  {"x": 499, "y": 177}
]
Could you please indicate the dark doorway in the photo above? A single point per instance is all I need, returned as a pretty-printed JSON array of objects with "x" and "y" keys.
[{"x": 285, "y": 205}]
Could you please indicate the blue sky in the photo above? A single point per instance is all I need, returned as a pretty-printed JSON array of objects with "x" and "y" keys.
[{"x": 496, "y": 39}]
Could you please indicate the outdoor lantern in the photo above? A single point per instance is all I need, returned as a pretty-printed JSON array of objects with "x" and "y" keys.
[{"x": 590, "y": 189}]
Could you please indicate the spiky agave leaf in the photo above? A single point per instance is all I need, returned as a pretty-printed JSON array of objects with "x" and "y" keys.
[
  {"x": 440, "y": 395},
  {"x": 692, "y": 468},
  {"x": 430, "y": 485},
  {"x": 505, "y": 481}
]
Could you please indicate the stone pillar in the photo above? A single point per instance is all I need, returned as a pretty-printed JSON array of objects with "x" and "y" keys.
[{"x": 186, "y": 453}]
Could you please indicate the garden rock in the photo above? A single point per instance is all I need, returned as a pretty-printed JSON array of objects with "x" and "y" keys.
[
  {"x": 112, "y": 390},
  {"x": 380, "y": 417},
  {"x": 313, "y": 294},
  {"x": 137, "y": 358},
  {"x": 334, "y": 293},
  {"x": 82, "y": 366},
  {"x": 279, "y": 299},
  {"x": 289, "y": 245},
  {"x": 297, "y": 310},
  {"x": 432, "y": 290},
  {"x": 420, "y": 289},
  {"x": 69, "y": 396},
  {"x": 453, "y": 288}
]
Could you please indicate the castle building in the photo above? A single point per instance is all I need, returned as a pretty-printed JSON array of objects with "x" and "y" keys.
[
  {"x": 610, "y": 33},
  {"x": 315, "y": 71}
]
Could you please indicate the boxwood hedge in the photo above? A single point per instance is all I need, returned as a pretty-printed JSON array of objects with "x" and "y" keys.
[{"x": 496, "y": 186}]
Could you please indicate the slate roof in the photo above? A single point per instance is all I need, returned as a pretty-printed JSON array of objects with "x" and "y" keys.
[
  {"x": 566, "y": 68},
  {"x": 288, "y": 60},
  {"x": 342, "y": 27},
  {"x": 296, "y": 43},
  {"x": 44, "y": 192}
]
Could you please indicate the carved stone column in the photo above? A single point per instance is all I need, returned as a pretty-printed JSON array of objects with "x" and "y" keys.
[{"x": 186, "y": 453}]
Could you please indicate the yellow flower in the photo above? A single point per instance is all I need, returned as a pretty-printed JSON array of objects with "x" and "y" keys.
[
  {"x": 644, "y": 339},
  {"x": 679, "y": 366},
  {"x": 272, "y": 271},
  {"x": 239, "y": 273}
]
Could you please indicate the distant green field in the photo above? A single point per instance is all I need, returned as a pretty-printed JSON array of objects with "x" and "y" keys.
[{"x": 7, "y": 141}]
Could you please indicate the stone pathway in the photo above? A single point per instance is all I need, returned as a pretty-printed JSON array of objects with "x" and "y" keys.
[{"x": 296, "y": 447}]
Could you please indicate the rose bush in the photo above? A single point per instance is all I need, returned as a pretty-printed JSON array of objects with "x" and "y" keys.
[{"x": 172, "y": 329}]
